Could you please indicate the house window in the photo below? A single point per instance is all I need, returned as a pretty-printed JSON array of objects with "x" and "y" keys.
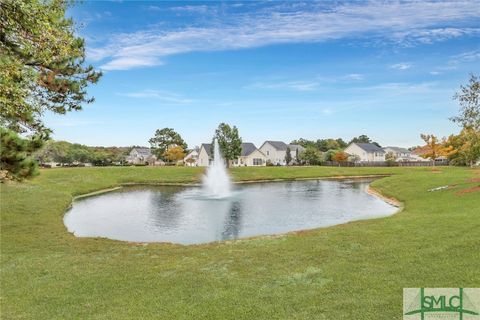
[{"x": 257, "y": 162}]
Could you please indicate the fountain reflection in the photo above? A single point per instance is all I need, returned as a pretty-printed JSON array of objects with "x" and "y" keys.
[{"x": 233, "y": 221}]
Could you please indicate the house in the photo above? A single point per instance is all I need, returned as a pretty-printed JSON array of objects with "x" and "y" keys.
[
  {"x": 365, "y": 152},
  {"x": 275, "y": 151},
  {"x": 205, "y": 156},
  {"x": 418, "y": 154},
  {"x": 143, "y": 156},
  {"x": 191, "y": 159},
  {"x": 401, "y": 154},
  {"x": 250, "y": 156}
]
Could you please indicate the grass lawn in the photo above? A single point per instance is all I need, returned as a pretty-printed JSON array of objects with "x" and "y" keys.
[{"x": 351, "y": 271}]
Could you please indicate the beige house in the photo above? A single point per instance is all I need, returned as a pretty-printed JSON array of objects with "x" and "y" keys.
[
  {"x": 275, "y": 151},
  {"x": 205, "y": 155},
  {"x": 191, "y": 159},
  {"x": 365, "y": 152},
  {"x": 250, "y": 156},
  {"x": 402, "y": 154},
  {"x": 143, "y": 156}
]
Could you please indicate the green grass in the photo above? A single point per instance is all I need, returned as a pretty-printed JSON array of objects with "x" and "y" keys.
[{"x": 351, "y": 271}]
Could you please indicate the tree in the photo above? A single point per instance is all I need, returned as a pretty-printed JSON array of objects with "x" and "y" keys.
[
  {"x": 433, "y": 148},
  {"x": 229, "y": 142},
  {"x": 465, "y": 146},
  {"x": 16, "y": 160},
  {"x": 190, "y": 160},
  {"x": 174, "y": 154},
  {"x": 390, "y": 158},
  {"x": 165, "y": 139},
  {"x": 340, "y": 156},
  {"x": 469, "y": 100},
  {"x": 330, "y": 144},
  {"x": 311, "y": 156},
  {"x": 41, "y": 64},
  {"x": 304, "y": 143},
  {"x": 288, "y": 156}
]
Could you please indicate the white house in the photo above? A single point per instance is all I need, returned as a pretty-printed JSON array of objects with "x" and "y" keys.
[
  {"x": 250, "y": 156},
  {"x": 205, "y": 155},
  {"x": 143, "y": 156},
  {"x": 191, "y": 159},
  {"x": 401, "y": 154},
  {"x": 365, "y": 152},
  {"x": 275, "y": 151}
]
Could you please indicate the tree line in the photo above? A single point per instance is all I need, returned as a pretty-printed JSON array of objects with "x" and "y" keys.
[{"x": 66, "y": 153}]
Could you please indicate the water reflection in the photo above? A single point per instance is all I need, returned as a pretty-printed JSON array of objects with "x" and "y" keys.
[
  {"x": 183, "y": 215},
  {"x": 233, "y": 221}
]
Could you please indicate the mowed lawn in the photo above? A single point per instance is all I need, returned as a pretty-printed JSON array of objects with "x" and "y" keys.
[{"x": 352, "y": 271}]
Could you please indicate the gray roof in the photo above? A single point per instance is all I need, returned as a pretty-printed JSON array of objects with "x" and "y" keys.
[
  {"x": 370, "y": 147},
  {"x": 398, "y": 149},
  {"x": 143, "y": 151},
  {"x": 247, "y": 149},
  {"x": 208, "y": 148},
  {"x": 279, "y": 145}
]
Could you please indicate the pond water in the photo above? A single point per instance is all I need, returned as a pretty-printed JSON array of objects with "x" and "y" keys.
[{"x": 183, "y": 215}]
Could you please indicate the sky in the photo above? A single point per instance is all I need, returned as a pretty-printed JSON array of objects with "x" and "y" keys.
[{"x": 276, "y": 70}]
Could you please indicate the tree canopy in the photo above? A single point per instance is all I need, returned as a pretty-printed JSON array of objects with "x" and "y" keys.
[
  {"x": 41, "y": 69},
  {"x": 41, "y": 64},
  {"x": 165, "y": 139},
  {"x": 229, "y": 141},
  {"x": 469, "y": 100}
]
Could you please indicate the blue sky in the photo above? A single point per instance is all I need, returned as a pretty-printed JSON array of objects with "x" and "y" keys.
[{"x": 276, "y": 70}]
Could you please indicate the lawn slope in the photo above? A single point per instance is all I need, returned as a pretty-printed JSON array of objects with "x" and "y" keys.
[{"x": 351, "y": 271}]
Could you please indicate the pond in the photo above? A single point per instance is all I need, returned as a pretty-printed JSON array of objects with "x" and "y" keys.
[{"x": 183, "y": 215}]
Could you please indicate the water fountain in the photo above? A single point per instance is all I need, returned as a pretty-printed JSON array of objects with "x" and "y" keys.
[{"x": 216, "y": 182}]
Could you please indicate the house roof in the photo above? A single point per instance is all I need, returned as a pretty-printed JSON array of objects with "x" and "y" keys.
[
  {"x": 369, "y": 147},
  {"x": 247, "y": 149},
  {"x": 279, "y": 145},
  {"x": 397, "y": 149},
  {"x": 207, "y": 147},
  {"x": 143, "y": 151}
]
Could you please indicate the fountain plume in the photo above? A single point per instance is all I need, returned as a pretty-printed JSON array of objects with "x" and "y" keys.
[{"x": 216, "y": 182}]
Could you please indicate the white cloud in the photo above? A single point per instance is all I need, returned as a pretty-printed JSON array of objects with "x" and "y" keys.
[
  {"x": 468, "y": 56},
  {"x": 400, "y": 22},
  {"x": 401, "y": 66},
  {"x": 353, "y": 77},
  {"x": 288, "y": 85},
  {"x": 165, "y": 96}
]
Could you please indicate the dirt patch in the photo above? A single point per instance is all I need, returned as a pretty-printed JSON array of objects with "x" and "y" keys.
[
  {"x": 474, "y": 180},
  {"x": 468, "y": 190},
  {"x": 435, "y": 170}
]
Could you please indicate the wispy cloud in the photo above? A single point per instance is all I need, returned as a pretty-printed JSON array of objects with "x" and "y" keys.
[
  {"x": 401, "y": 66},
  {"x": 353, "y": 77},
  {"x": 401, "y": 22},
  {"x": 468, "y": 56},
  {"x": 165, "y": 96},
  {"x": 287, "y": 85}
]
